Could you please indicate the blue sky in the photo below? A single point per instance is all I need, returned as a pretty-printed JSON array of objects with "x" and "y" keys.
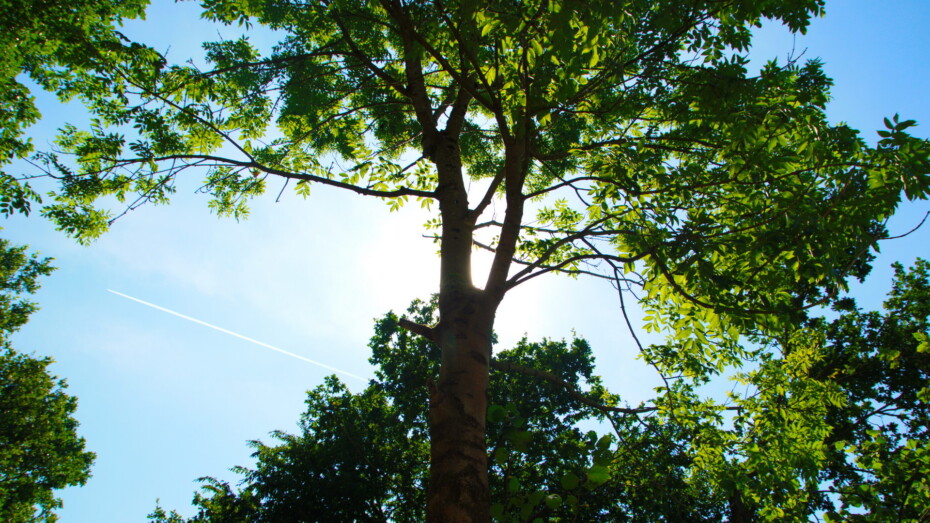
[{"x": 163, "y": 400}]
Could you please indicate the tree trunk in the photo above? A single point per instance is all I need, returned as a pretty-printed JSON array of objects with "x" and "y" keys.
[
  {"x": 458, "y": 485},
  {"x": 739, "y": 512}
]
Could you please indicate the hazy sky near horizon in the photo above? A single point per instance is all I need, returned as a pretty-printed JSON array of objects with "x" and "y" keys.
[{"x": 164, "y": 400}]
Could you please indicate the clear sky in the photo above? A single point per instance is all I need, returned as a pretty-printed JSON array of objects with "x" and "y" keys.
[{"x": 164, "y": 400}]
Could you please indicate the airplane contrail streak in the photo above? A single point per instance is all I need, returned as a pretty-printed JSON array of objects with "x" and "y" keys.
[{"x": 237, "y": 335}]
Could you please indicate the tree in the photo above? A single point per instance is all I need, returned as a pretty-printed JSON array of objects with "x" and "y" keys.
[
  {"x": 834, "y": 420},
  {"x": 360, "y": 456},
  {"x": 364, "y": 456},
  {"x": 354, "y": 459},
  {"x": 19, "y": 274},
  {"x": 877, "y": 452},
  {"x": 50, "y": 43},
  {"x": 40, "y": 450},
  {"x": 650, "y": 155}
]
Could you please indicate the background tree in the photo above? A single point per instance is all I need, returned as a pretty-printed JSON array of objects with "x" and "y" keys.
[
  {"x": 877, "y": 457},
  {"x": 364, "y": 456},
  {"x": 652, "y": 152},
  {"x": 40, "y": 450},
  {"x": 833, "y": 421},
  {"x": 835, "y": 427}
]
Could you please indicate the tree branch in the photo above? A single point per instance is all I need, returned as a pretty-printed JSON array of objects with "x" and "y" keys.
[
  {"x": 556, "y": 246},
  {"x": 543, "y": 269},
  {"x": 488, "y": 195},
  {"x": 419, "y": 329},
  {"x": 459, "y": 112},
  {"x": 397, "y": 193},
  {"x": 413, "y": 70},
  {"x": 547, "y": 267},
  {"x": 514, "y": 171}
]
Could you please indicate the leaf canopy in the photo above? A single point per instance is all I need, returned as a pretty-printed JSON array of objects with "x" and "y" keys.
[{"x": 635, "y": 131}]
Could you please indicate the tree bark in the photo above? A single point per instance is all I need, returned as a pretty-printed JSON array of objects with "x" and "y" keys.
[
  {"x": 739, "y": 512},
  {"x": 458, "y": 488},
  {"x": 458, "y": 485}
]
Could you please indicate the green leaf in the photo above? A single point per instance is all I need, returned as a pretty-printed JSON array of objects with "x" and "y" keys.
[
  {"x": 521, "y": 439},
  {"x": 496, "y": 414},
  {"x": 553, "y": 501},
  {"x": 501, "y": 455},
  {"x": 537, "y": 47},
  {"x": 570, "y": 481},
  {"x": 597, "y": 476}
]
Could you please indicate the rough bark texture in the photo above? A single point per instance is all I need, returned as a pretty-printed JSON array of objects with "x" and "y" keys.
[{"x": 458, "y": 488}]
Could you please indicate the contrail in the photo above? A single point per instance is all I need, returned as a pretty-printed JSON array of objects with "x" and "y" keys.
[{"x": 240, "y": 336}]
